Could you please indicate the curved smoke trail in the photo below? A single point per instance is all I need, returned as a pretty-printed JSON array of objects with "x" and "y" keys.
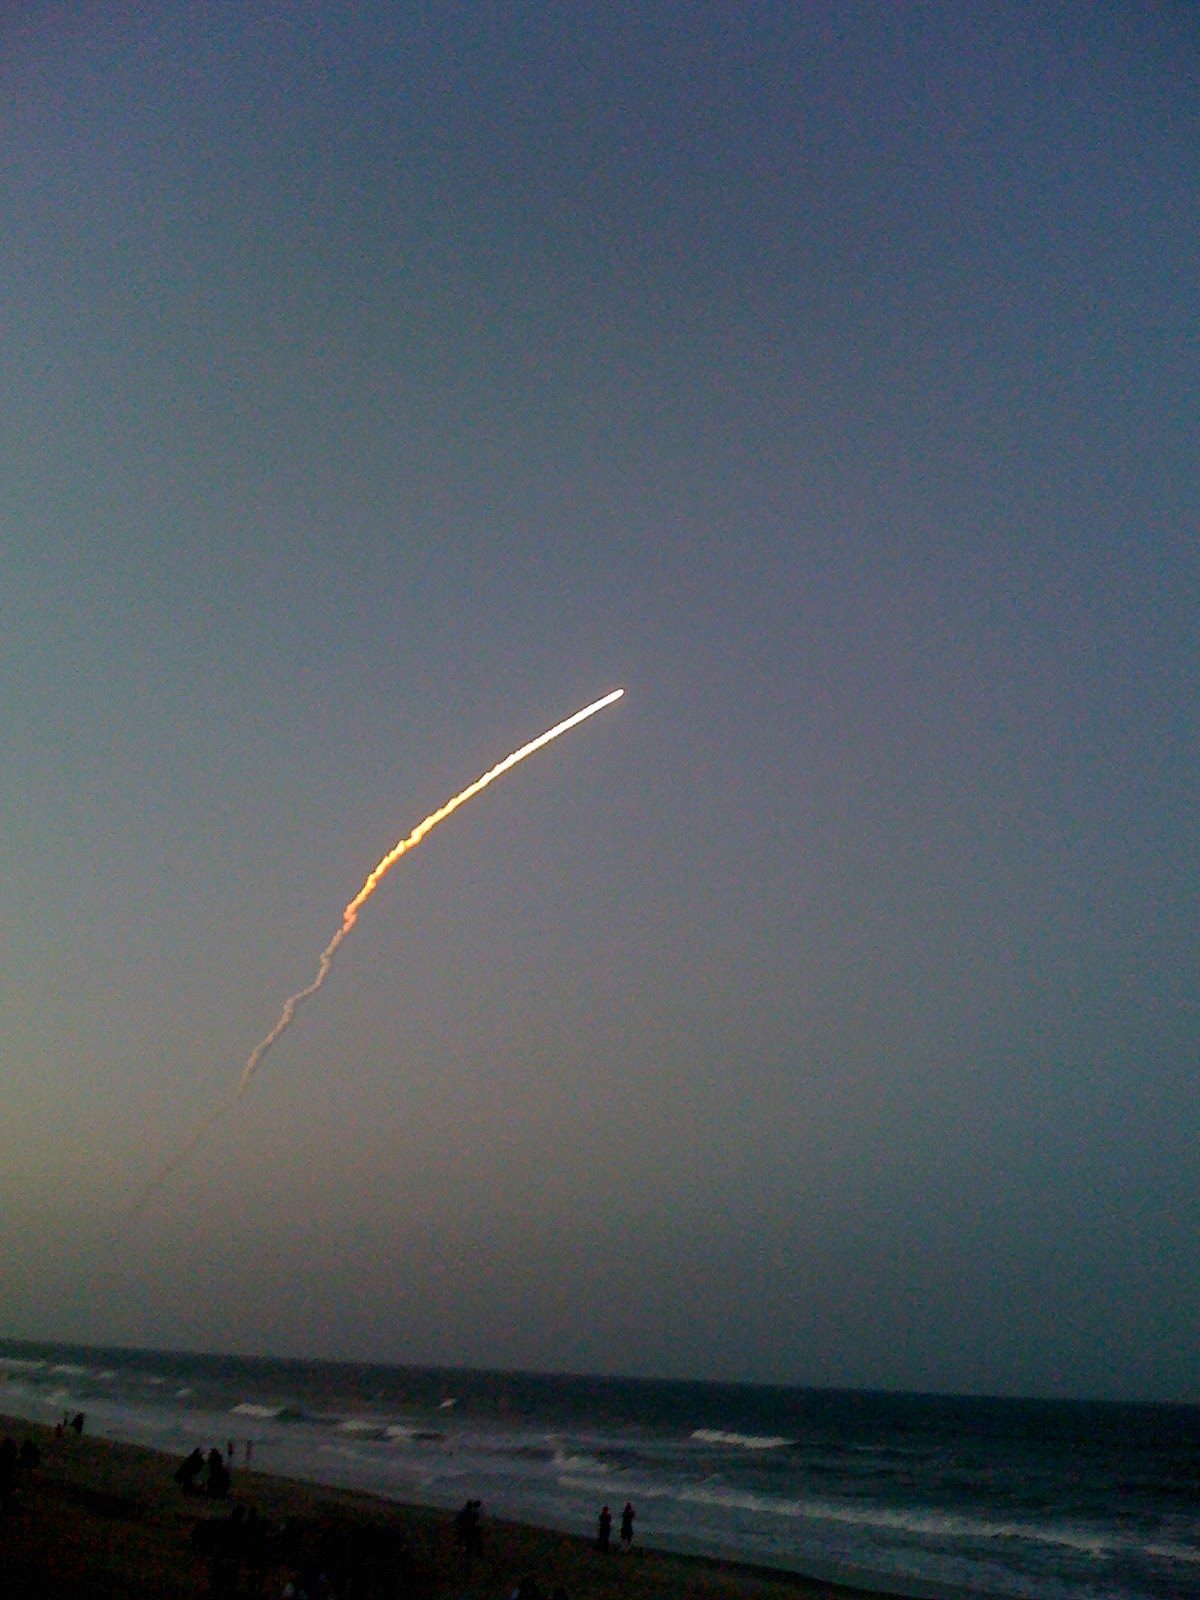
[{"x": 350, "y": 916}]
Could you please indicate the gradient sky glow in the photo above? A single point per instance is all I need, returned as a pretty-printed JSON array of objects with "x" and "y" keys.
[{"x": 379, "y": 385}]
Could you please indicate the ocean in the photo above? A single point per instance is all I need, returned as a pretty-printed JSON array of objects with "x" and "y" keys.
[{"x": 925, "y": 1495}]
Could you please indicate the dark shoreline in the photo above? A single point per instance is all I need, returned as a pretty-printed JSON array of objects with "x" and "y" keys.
[{"x": 102, "y": 1518}]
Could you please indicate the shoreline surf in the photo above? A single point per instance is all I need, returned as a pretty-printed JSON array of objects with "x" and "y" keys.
[{"x": 103, "y": 1516}]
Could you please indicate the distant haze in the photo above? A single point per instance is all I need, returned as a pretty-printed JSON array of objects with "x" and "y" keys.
[{"x": 379, "y": 385}]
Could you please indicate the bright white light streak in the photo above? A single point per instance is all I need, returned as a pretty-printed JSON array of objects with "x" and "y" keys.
[{"x": 350, "y": 916}]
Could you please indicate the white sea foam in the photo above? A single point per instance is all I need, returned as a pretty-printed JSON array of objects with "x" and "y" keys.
[
  {"x": 928, "y": 1524},
  {"x": 921, "y": 1512},
  {"x": 566, "y": 1462},
  {"x": 642, "y": 1490},
  {"x": 1174, "y": 1552},
  {"x": 744, "y": 1441},
  {"x": 585, "y": 1485}
]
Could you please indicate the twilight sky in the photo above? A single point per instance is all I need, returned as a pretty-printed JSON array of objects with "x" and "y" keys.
[{"x": 380, "y": 384}]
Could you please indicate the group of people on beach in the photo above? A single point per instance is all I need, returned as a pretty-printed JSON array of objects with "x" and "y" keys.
[
  {"x": 468, "y": 1537},
  {"x": 604, "y": 1530},
  {"x": 468, "y": 1530},
  {"x": 215, "y": 1469},
  {"x": 16, "y": 1460}
]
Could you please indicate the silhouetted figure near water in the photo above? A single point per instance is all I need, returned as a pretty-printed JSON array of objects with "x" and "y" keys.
[
  {"x": 77, "y": 1423},
  {"x": 188, "y": 1472},
  {"x": 468, "y": 1534},
  {"x": 627, "y": 1525},
  {"x": 217, "y": 1485},
  {"x": 604, "y": 1530},
  {"x": 8, "y": 1471}
]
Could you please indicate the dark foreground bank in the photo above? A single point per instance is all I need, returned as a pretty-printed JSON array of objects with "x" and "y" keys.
[
  {"x": 912, "y": 1494},
  {"x": 97, "y": 1519}
]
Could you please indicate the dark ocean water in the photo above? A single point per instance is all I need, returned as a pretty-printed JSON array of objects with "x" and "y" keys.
[{"x": 925, "y": 1494}]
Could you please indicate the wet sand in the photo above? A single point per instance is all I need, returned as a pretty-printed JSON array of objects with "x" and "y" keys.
[{"x": 99, "y": 1519}]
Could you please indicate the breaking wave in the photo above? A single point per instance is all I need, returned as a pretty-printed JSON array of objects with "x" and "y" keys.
[{"x": 742, "y": 1441}]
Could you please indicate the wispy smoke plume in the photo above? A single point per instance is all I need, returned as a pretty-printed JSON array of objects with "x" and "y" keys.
[{"x": 350, "y": 916}]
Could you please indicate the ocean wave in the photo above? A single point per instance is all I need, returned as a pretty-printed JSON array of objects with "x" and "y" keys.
[
  {"x": 410, "y": 1433},
  {"x": 743, "y": 1441},
  {"x": 288, "y": 1413},
  {"x": 570, "y": 1463},
  {"x": 945, "y": 1496},
  {"x": 596, "y": 1485},
  {"x": 344, "y": 1452},
  {"x": 1174, "y": 1552},
  {"x": 922, "y": 1524},
  {"x": 638, "y": 1490}
]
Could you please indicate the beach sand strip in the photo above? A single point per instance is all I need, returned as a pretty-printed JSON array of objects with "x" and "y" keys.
[{"x": 100, "y": 1520}]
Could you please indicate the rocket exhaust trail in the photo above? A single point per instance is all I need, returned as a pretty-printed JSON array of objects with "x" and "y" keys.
[
  {"x": 379, "y": 872},
  {"x": 350, "y": 916}
]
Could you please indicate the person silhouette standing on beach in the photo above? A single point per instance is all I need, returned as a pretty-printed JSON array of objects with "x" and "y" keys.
[
  {"x": 604, "y": 1531},
  {"x": 217, "y": 1480},
  {"x": 627, "y": 1525},
  {"x": 468, "y": 1534},
  {"x": 188, "y": 1473},
  {"x": 8, "y": 1471}
]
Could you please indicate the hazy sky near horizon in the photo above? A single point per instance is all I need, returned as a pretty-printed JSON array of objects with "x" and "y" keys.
[{"x": 379, "y": 385}]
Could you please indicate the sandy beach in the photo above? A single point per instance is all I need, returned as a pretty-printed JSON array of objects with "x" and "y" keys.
[{"x": 97, "y": 1518}]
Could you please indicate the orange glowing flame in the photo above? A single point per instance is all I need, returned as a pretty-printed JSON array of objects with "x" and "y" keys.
[
  {"x": 350, "y": 916},
  {"x": 377, "y": 874}
]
